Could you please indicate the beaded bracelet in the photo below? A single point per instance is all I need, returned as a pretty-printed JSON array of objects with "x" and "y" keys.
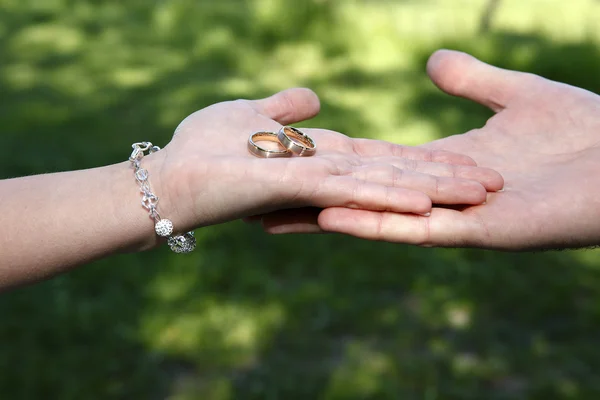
[{"x": 164, "y": 228}]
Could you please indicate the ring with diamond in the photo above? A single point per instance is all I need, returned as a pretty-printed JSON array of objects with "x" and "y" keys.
[
  {"x": 297, "y": 141},
  {"x": 259, "y": 151}
]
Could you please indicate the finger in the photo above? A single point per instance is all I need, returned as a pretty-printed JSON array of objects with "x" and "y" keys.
[
  {"x": 289, "y": 106},
  {"x": 460, "y": 74},
  {"x": 490, "y": 179},
  {"x": 373, "y": 148},
  {"x": 441, "y": 190},
  {"x": 346, "y": 191},
  {"x": 445, "y": 227},
  {"x": 340, "y": 143},
  {"x": 298, "y": 220}
]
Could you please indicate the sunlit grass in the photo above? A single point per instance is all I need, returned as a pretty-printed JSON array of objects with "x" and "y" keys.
[{"x": 214, "y": 333}]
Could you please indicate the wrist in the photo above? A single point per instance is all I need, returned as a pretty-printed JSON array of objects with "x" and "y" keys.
[
  {"x": 156, "y": 205},
  {"x": 167, "y": 183},
  {"x": 135, "y": 225}
]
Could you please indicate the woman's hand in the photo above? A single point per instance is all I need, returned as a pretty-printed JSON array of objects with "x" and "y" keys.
[{"x": 207, "y": 175}]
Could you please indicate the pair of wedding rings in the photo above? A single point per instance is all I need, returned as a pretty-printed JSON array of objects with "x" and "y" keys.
[{"x": 291, "y": 139}]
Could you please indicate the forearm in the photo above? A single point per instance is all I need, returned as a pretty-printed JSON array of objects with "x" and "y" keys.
[{"x": 54, "y": 222}]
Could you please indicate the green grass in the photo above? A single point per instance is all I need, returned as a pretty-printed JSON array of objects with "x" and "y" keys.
[{"x": 240, "y": 318}]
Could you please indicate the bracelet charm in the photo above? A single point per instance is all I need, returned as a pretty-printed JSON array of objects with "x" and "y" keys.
[{"x": 164, "y": 228}]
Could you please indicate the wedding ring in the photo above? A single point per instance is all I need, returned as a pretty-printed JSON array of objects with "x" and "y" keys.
[
  {"x": 296, "y": 141},
  {"x": 261, "y": 151}
]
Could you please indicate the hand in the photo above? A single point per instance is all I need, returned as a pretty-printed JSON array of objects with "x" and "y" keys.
[
  {"x": 544, "y": 140},
  {"x": 206, "y": 174}
]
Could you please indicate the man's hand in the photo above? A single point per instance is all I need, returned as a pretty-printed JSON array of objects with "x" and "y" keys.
[{"x": 544, "y": 140}]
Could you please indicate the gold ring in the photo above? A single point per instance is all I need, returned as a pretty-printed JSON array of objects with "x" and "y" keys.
[
  {"x": 262, "y": 152},
  {"x": 296, "y": 141}
]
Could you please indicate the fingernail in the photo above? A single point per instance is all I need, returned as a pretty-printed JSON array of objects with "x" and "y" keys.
[{"x": 426, "y": 214}]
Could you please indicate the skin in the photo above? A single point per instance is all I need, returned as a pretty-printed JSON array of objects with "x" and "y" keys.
[
  {"x": 205, "y": 176},
  {"x": 545, "y": 141}
]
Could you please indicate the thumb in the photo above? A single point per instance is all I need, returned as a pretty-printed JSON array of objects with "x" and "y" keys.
[
  {"x": 460, "y": 74},
  {"x": 289, "y": 106}
]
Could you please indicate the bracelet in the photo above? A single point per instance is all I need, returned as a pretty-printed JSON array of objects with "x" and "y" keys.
[{"x": 164, "y": 228}]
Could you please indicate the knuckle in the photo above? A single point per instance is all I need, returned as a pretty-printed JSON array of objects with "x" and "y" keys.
[
  {"x": 423, "y": 235},
  {"x": 436, "y": 185},
  {"x": 379, "y": 234}
]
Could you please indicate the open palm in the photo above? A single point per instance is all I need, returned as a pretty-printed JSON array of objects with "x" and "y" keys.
[
  {"x": 208, "y": 176},
  {"x": 545, "y": 141}
]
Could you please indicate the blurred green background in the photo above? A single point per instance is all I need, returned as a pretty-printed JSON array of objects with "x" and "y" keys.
[{"x": 80, "y": 80}]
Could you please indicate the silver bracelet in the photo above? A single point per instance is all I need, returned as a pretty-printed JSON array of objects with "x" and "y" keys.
[{"x": 164, "y": 228}]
